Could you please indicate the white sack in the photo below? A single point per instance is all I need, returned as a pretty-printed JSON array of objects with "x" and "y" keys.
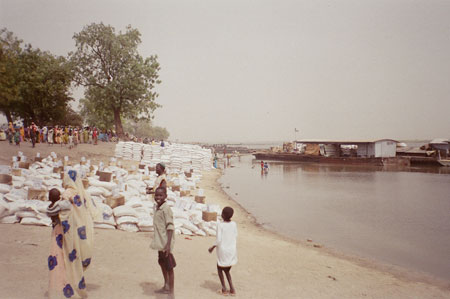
[
  {"x": 185, "y": 231},
  {"x": 9, "y": 219},
  {"x": 5, "y": 188},
  {"x": 106, "y": 219},
  {"x": 34, "y": 221},
  {"x": 178, "y": 213},
  {"x": 96, "y": 183},
  {"x": 129, "y": 227},
  {"x": 27, "y": 214},
  {"x": 124, "y": 211},
  {"x": 134, "y": 202},
  {"x": 187, "y": 224},
  {"x": 12, "y": 197},
  {"x": 126, "y": 219}
]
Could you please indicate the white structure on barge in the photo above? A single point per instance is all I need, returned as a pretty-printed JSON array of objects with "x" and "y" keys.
[{"x": 381, "y": 148}]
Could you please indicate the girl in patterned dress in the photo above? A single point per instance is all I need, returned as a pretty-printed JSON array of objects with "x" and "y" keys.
[{"x": 72, "y": 239}]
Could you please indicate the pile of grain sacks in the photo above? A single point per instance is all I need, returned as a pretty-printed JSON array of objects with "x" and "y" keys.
[
  {"x": 177, "y": 157},
  {"x": 136, "y": 214}
]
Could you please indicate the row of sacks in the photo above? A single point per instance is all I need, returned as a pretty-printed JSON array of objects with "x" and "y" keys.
[
  {"x": 182, "y": 157},
  {"x": 15, "y": 205},
  {"x": 134, "y": 185},
  {"x": 137, "y": 212},
  {"x": 187, "y": 213},
  {"x": 30, "y": 212},
  {"x": 137, "y": 215}
]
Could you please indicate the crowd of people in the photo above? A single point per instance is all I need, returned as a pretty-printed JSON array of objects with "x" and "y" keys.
[
  {"x": 63, "y": 135},
  {"x": 67, "y": 135}
]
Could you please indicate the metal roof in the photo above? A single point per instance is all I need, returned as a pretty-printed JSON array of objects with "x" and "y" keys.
[
  {"x": 343, "y": 141},
  {"x": 440, "y": 141}
]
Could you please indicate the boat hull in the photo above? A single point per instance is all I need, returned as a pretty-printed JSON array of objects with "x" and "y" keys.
[
  {"x": 294, "y": 157},
  {"x": 445, "y": 162}
]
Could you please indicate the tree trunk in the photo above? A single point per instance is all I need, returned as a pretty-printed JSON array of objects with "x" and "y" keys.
[{"x": 118, "y": 123}]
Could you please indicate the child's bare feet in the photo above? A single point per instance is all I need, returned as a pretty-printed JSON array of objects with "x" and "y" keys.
[
  {"x": 222, "y": 292},
  {"x": 232, "y": 292},
  {"x": 163, "y": 290}
]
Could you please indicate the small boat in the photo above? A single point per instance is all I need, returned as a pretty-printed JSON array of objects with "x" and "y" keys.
[{"x": 444, "y": 162}]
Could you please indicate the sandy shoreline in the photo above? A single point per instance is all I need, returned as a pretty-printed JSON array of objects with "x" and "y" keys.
[{"x": 270, "y": 265}]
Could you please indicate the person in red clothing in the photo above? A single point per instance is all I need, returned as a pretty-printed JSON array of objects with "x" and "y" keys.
[{"x": 95, "y": 136}]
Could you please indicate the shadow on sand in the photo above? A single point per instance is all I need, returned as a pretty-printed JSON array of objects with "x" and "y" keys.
[
  {"x": 149, "y": 288},
  {"x": 212, "y": 285}
]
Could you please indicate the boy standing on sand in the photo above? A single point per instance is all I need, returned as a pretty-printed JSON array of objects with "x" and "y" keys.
[
  {"x": 226, "y": 249},
  {"x": 163, "y": 240}
]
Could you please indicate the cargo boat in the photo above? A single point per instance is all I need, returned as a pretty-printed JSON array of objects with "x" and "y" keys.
[
  {"x": 376, "y": 152},
  {"x": 297, "y": 157}
]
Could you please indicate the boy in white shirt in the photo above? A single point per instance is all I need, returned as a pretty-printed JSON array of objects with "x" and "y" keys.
[{"x": 226, "y": 249}]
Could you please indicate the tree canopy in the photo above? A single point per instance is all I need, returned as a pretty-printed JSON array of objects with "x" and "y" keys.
[
  {"x": 45, "y": 81},
  {"x": 143, "y": 128},
  {"x": 9, "y": 57},
  {"x": 118, "y": 80},
  {"x": 34, "y": 85}
]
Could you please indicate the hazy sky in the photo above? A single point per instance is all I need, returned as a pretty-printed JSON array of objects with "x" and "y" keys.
[{"x": 240, "y": 71}]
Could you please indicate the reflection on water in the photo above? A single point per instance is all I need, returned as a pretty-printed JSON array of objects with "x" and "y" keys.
[
  {"x": 400, "y": 216},
  {"x": 315, "y": 167}
]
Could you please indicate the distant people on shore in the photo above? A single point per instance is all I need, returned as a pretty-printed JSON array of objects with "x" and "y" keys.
[
  {"x": 215, "y": 160},
  {"x": 17, "y": 138},
  {"x": 62, "y": 135},
  {"x": 69, "y": 136}
]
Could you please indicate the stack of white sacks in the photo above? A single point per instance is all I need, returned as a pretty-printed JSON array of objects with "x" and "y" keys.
[
  {"x": 177, "y": 157},
  {"x": 147, "y": 154},
  {"x": 124, "y": 150},
  {"x": 119, "y": 149},
  {"x": 135, "y": 215},
  {"x": 137, "y": 151}
]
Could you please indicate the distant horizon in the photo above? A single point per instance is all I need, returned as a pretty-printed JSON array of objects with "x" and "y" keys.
[
  {"x": 281, "y": 142},
  {"x": 234, "y": 71},
  {"x": 3, "y": 121}
]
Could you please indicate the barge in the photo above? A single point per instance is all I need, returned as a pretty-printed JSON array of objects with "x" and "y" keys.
[
  {"x": 298, "y": 157},
  {"x": 375, "y": 152}
]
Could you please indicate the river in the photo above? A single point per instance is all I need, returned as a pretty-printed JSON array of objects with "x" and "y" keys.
[{"x": 396, "y": 217}]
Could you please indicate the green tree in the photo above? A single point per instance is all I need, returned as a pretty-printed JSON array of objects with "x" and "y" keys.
[
  {"x": 44, "y": 87},
  {"x": 73, "y": 118},
  {"x": 117, "y": 78},
  {"x": 9, "y": 56},
  {"x": 160, "y": 133},
  {"x": 93, "y": 113},
  {"x": 143, "y": 128}
]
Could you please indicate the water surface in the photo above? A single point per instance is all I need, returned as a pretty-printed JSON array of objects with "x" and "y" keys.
[{"x": 398, "y": 217}]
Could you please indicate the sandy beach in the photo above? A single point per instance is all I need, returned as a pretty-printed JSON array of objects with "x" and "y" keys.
[{"x": 269, "y": 266}]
